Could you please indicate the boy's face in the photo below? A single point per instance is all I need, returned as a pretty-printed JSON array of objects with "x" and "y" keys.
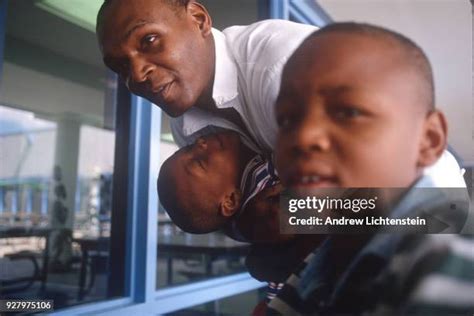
[
  {"x": 207, "y": 169},
  {"x": 348, "y": 115}
]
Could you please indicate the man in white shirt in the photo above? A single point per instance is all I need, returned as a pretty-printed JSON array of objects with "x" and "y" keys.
[{"x": 167, "y": 52}]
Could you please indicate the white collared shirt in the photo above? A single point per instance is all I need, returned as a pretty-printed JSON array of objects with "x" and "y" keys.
[{"x": 249, "y": 64}]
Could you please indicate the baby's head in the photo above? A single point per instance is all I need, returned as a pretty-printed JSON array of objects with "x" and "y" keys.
[
  {"x": 199, "y": 184},
  {"x": 356, "y": 109}
]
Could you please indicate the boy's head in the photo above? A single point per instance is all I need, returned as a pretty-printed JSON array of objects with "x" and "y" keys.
[
  {"x": 356, "y": 109},
  {"x": 199, "y": 184}
]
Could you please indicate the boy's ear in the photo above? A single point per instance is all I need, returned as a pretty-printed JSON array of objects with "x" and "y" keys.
[
  {"x": 434, "y": 139},
  {"x": 200, "y": 15},
  {"x": 230, "y": 203}
]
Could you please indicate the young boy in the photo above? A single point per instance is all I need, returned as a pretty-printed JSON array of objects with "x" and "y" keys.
[
  {"x": 355, "y": 110},
  {"x": 207, "y": 186}
]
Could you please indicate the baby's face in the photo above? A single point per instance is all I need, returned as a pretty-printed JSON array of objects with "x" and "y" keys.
[
  {"x": 208, "y": 167},
  {"x": 348, "y": 116}
]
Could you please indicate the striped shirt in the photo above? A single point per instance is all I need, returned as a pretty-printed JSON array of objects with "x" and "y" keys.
[
  {"x": 391, "y": 274},
  {"x": 272, "y": 290},
  {"x": 258, "y": 175}
]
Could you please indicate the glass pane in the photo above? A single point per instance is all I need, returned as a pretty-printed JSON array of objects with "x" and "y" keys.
[
  {"x": 57, "y": 139},
  {"x": 183, "y": 257},
  {"x": 241, "y": 304}
]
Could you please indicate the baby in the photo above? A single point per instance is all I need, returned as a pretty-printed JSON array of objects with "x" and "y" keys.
[
  {"x": 207, "y": 186},
  {"x": 356, "y": 110}
]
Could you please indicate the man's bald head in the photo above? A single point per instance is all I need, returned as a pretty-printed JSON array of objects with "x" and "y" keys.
[{"x": 176, "y": 4}]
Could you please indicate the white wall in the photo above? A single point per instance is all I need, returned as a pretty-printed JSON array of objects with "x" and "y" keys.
[
  {"x": 37, "y": 151},
  {"x": 443, "y": 28},
  {"x": 96, "y": 151},
  {"x": 53, "y": 98}
]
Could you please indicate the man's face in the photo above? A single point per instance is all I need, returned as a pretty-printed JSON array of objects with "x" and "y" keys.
[
  {"x": 163, "y": 53},
  {"x": 348, "y": 116},
  {"x": 209, "y": 168}
]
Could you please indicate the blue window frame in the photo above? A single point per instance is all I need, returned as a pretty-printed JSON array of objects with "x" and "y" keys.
[
  {"x": 137, "y": 159},
  {"x": 302, "y": 11},
  {"x": 3, "y": 17}
]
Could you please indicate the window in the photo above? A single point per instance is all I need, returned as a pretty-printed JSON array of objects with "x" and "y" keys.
[
  {"x": 57, "y": 140},
  {"x": 185, "y": 258},
  {"x": 80, "y": 221}
]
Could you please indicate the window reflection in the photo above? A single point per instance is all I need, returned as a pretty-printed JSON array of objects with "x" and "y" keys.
[{"x": 57, "y": 141}]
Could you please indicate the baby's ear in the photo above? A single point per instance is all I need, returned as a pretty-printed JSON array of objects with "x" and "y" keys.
[
  {"x": 434, "y": 139},
  {"x": 230, "y": 204}
]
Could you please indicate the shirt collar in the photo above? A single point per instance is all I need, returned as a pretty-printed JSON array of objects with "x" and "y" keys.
[
  {"x": 249, "y": 170},
  {"x": 225, "y": 86},
  {"x": 383, "y": 245},
  {"x": 413, "y": 200}
]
